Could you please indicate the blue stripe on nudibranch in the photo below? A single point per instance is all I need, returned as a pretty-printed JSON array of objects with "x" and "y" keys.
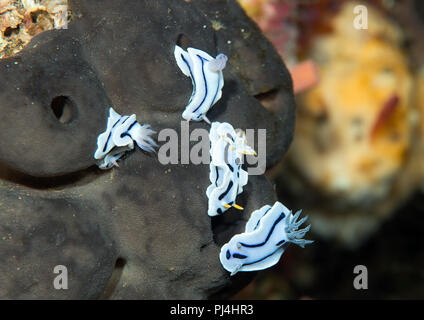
[
  {"x": 132, "y": 125},
  {"x": 257, "y": 224},
  {"x": 217, "y": 90},
  {"x": 262, "y": 259},
  {"x": 217, "y": 176},
  {"x": 108, "y": 137},
  {"x": 279, "y": 243},
  {"x": 107, "y": 141},
  {"x": 126, "y": 118},
  {"x": 206, "y": 88},
  {"x": 191, "y": 76},
  {"x": 206, "y": 83},
  {"x": 281, "y": 217},
  {"x": 230, "y": 185}
]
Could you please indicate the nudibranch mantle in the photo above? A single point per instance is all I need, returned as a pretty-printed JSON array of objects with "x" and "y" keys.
[
  {"x": 227, "y": 176},
  {"x": 267, "y": 233},
  {"x": 207, "y": 79},
  {"x": 119, "y": 137}
]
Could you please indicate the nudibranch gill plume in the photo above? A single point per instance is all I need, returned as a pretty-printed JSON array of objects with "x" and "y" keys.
[
  {"x": 207, "y": 79},
  {"x": 119, "y": 137},
  {"x": 267, "y": 233},
  {"x": 227, "y": 176}
]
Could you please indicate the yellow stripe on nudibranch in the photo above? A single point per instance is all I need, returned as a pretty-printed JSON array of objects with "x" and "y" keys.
[
  {"x": 227, "y": 176},
  {"x": 226, "y": 205}
]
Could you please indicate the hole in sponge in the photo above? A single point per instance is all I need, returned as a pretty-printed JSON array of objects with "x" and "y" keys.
[
  {"x": 114, "y": 279},
  {"x": 269, "y": 99},
  {"x": 183, "y": 41},
  {"x": 63, "y": 109}
]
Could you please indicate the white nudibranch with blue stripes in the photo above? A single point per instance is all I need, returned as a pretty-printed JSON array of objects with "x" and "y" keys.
[
  {"x": 119, "y": 137},
  {"x": 267, "y": 234},
  {"x": 207, "y": 79},
  {"x": 227, "y": 176}
]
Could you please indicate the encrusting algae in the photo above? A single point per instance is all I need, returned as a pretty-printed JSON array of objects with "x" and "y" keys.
[{"x": 21, "y": 20}]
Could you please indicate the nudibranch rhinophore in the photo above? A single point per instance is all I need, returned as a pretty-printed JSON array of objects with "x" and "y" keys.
[
  {"x": 227, "y": 176},
  {"x": 268, "y": 232},
  {"x": 206, "y": 75},
  {"x": 119, "y": 137}
]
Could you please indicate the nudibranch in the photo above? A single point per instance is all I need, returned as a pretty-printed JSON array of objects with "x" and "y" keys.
[
  {"x": 227, "y": 176},
  {"x": 119, "y": 137},
  {"x": 206, "y": 75},
  {"x": 267, "y": 233}
]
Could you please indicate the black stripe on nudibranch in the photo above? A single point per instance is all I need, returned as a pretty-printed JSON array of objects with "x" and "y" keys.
[
  {"x": 257, "y": 224},
  {"x": 191, "y": 76},
  {"x": 107, "y": 141},
  {"x": 280, "y": 242},
  {"x": 230, "y": 185},
  {"x": 239, "y": 256},
  {"x": 228, "y": 254},
  {"x": 231, "y": 167},
  {"x": 126, "y": 133},
  {"x": 110, "y": 133},
  {"x": 132, "y": 125},
  {"x": 217, "y": 89},
  {"x": 206, "y": 84},
  {"x": 116, "y": 122},
  {"x": 267, "y": 256},
  {"x": 217, "y": 176},
  {"x": 126, "y": 118},
  {"x": 188, "y": 65},
  {"x": 281, "y": 217}
]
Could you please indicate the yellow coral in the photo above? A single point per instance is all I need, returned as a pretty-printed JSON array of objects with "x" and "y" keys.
[
  {"x": 253, "y": 8},
  {"x": 354, "y": 129}
]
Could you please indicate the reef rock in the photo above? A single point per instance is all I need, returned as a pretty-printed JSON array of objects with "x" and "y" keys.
[{"x": 140, "y": 231}]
